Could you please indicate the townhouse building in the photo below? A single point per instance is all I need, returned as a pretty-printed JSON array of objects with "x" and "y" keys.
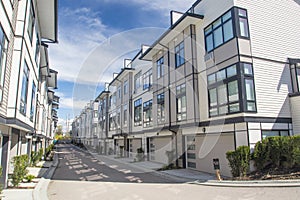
[
  {"x": 28, "y": 104},
  {"x": 223, "y": 75}
]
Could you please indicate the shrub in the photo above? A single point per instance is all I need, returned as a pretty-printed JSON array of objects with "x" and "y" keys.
[
  {"x": 49, "y": 149},
  {"x": 36, "y": 157},
  {"x": 239, "y": 161},
  {"x": 29, "y": 177},
  {"x": 20, "y": 164}
]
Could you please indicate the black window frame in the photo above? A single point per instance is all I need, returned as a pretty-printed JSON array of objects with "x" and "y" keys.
[
  {"x": 3, "y": 60},
  {"x": 241, "y": 78},
  {"x": 236, "y": 30},
  {"x": 24, "y": 90},
  {"x": 178, "y": 51},
  {"x": 161, "y": 116},
  {"x": 138, "y": 112},
  {"x": 160, "y": 67},
  {"x": 147, "y": 79},
  {"x": 33, "y": 102},
  {"x": 147, "y": 107},
  {"x": 31, "y": 21},
  {"x": 180, "y": 93}
]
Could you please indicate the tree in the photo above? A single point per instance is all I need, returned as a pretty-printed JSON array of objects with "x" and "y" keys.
[{"x": 58, "y": 133}]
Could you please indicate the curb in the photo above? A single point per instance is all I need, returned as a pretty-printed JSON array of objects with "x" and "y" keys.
[
  {"x": 274, "y": 183},
  {"x": 40, "y": 191}
]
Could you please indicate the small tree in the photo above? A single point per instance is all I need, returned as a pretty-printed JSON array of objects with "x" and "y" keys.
[
  {"x": 20, "y": 164},
  {"x": 239, "y": 161}
]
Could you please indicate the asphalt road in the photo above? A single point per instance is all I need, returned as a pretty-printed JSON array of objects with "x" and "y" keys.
[{"x": 81, "y": 176}]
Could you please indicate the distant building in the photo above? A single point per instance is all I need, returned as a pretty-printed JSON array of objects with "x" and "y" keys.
[{"x": 223, "y": 75}]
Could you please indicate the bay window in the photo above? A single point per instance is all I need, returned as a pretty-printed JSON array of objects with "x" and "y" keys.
[
  {"x": 161, "y": 108},
  {"x": 138, "y": 112},
  {"x": 147, "y": 112}
]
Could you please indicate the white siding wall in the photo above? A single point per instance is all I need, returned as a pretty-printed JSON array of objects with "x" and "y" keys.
[{"x": 274, "y": 28}]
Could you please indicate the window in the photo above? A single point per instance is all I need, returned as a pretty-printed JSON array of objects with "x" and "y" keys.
[
  {"x": 219, "y": 31},
  {"x": 179, "y": 55},
  {"x": 37, "y": 49},
  {"x": 147, "y": 113},
  {"x": 181, "y": 102},
  {"x": 138, "y": 112},
  {"x": 24, "y": 91},
  {"x": 243, "y": 23},
  {"x": 160, "y": 67},
  {"x": 31, "y": 21},
  {"x": 112, "y": 121},
  {"x": 118, "y": 119},
  {"x": 273, "y": 133},
  {"x": 224, "y": 29},
  {"x": 191, "y": 155},
  {"x": 147, "y": 80},
  {"x": 137, "y": 80},
  {"x": 33, "y": 103},
  {"x": 125, "y": 87},
  {"x": 191, "y": 164},
  {"x": 125, "y": 115},
  {"x": 161, "y": 108},
  {"x": 3, "y": 54},
  {"x": 225, "y": 93},
  {"x": 295, "y": 75}
]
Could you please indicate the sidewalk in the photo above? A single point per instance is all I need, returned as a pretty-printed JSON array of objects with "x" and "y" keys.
[{"x": 40, "y": 188}]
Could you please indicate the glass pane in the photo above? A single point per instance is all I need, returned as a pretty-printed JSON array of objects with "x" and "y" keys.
[
  {"x": 217, "y": 23},
  {"x": 218, "y": 36},
  {"x": 233, "y": 91},
  {"x": 270, "y": 133},
  {"x": 242, "y": 13},
  {"x": 222, "y": 94},
  {"x": 209, "y": 42},
  {"x": 223, "y": 110},
  {"x": 228, "y": 30},
  {"x": 226, "y": 16},
  {"x": 244, "y": 27},
  {"x": 183, "y": 105},
  {"x": 284, "y": 133},
  {"x": 213, "y": 112},
  {"x": 231, "y": 71},
  {"x": 248, "y": 69},
  {"x": 221, "y": 75},
  {"x": 251, "y": 106},
  {"x": 208, "y": 30},
  {"x": 298, "y": 78},
  {"x": 211, "y": 79},
  {"x": 213, "y": 97},
  {"x": 249, "y": 89},
  {"x": 234, "y": 108}
]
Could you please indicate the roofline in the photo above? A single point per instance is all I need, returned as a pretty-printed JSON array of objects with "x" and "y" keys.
[
  {"x": 169, "y": 30},
  {"x": 119, "y": 74}
]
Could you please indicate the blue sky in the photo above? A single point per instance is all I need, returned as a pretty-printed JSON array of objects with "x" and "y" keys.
[{"x": 95, "y": 36}]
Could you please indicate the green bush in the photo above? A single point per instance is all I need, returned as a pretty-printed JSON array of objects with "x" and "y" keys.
[
  {"x": 36, "y": 157},
  {"x": 20, "y": 164},
  {"x": 277, "y": 152},
  {"x": 239, "y": 161},
  {"x": 49, "y": 149}
]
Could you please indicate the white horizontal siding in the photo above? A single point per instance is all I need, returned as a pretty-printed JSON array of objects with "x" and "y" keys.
[
  {"x": 272, "y": 85},
  {"x": 295, "y": 106},
  {"x": 274, "y": 28}
]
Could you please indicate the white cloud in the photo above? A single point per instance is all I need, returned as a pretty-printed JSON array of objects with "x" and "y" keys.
[{"x": 72, "y": 103}]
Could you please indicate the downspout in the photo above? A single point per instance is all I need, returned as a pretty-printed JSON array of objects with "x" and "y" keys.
[{"x": 170, "y": 113}]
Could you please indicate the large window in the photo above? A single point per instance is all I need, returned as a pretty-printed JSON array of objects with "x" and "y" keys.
[
  {"x": 160, "y": 67},
  {"x": 222, "y": 29},
  {"x": 147, "y": 112},
  {"x": 118, "y": 119},
  {"x": 147, "y": 80},
  {"x": 181, "y": 102},
  {"x": 225, "y": 90},
  {"x": 119, "y": 92},
  {"x": 161, "y": 108},
  {"x": 295, "y": 75},
  {"x": 138, "y": 112},
  {"x": 112, "y": 121},
  {"x": 33, "y": 102},
  {"x": 31, "y": 21},
  {"x": 179, "y": 54},
  {"x": 3, "y": 54},
  {"x": 37, "y": 49},
  {"x": 137, "y": 80},
  {"x": 24, "y": 91}
]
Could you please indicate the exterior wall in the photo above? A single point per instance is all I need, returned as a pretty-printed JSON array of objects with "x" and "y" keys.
[{"x": 295, "y": 107}]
